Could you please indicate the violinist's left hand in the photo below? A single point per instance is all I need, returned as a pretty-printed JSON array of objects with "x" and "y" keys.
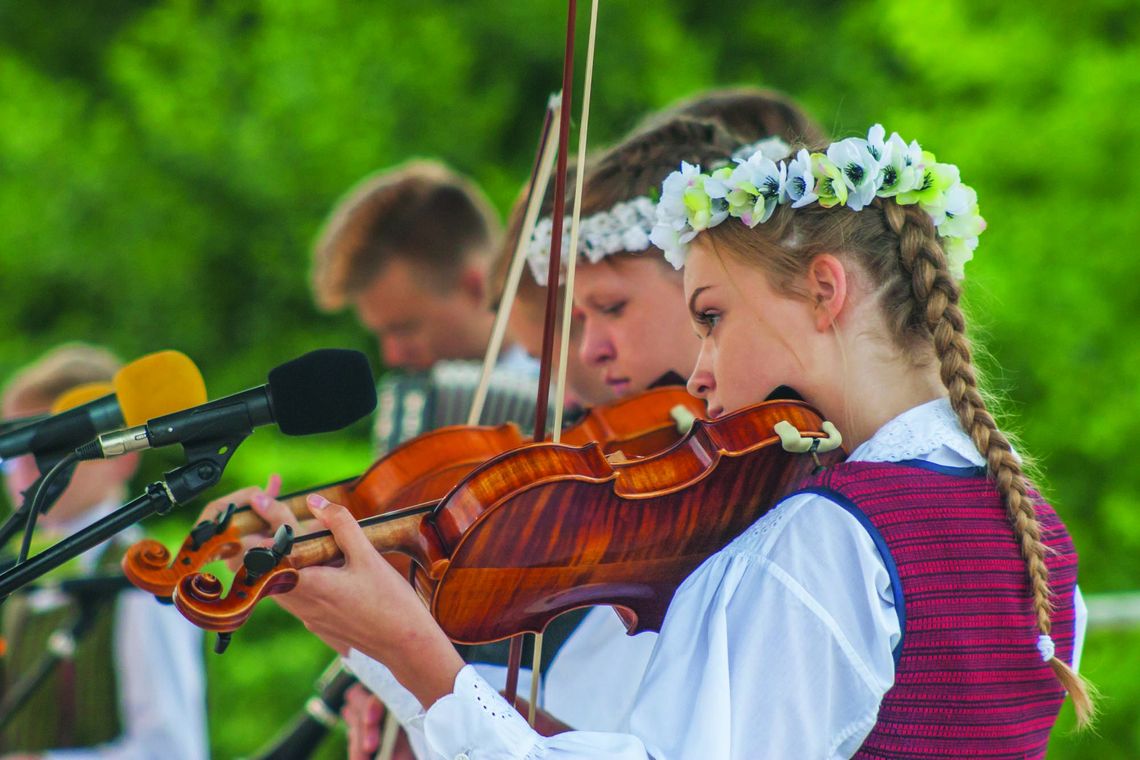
[{"x": 367, "y": 605}]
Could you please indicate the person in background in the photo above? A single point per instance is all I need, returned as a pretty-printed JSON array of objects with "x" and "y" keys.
[
  {"x": 408, "y": 250},
  {"x": 134, "y": 689},
  {"x": 584, "y": 386}
]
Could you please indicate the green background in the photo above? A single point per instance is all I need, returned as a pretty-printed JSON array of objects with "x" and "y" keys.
[{"x": 165, "y": 165}]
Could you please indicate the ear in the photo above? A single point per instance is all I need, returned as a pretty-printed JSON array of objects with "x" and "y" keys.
[
  {"x": 827, "y": 289},
  {"x": 473, "y": 283}
]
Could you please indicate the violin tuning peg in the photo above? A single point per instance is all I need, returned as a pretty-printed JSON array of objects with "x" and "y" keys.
[
  {"x": 283, "y": 541},
  {"x": 201, "y": 533},
  {"x": 258, "y": 561},
  {"x": 222, "y": 642},
  {"x": 223, "y": 520}
]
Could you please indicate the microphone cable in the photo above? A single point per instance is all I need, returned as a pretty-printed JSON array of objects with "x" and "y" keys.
[{"x": 67, "y": 463}]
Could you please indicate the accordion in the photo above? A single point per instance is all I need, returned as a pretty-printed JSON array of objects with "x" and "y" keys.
[{"x": 411, "y": 404}]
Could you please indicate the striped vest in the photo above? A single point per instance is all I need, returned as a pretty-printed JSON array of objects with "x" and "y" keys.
[
  {"x": 968, "y": 677},
  {"x": 78, "y": 704}
]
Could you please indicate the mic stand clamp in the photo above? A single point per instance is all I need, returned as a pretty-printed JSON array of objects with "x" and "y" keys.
[{"x": 207, "y": 461}]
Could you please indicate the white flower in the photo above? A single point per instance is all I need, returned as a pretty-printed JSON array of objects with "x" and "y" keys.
[
  {"x": 755, "y": 187},
  {"x": 799, "y": 182},
  {"x": 773, "y": 148},
  {"x": 958, "y": 252},
  {"x": 941, "y": 179},
  {"x": 671, "y": 208},
  {"x": 671, "y": 242},
  {"x": 860, "y": 170},
  {"x": 875, "y": 141},
  {"x": 901, "y": 167},
  {"x": 961, "y": 218},
  {"x": 716, "y": 185}
]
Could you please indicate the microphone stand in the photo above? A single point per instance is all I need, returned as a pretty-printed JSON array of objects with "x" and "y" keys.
[
  {"x": 207, "y": 460},
  {"x": 61, "y": 646},
  {"x": 308, "y": 728}
]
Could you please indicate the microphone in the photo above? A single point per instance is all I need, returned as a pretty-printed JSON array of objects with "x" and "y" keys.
[
  {"x": 321, "y": 391},
  {"x": 80, "y": 395},
  {"x": 19, "y": 422},
  {"x": 69, "y": 400},
  {"x": 153, "y": 385}
]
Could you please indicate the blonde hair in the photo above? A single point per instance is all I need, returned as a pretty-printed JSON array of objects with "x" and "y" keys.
[
  {"x": 898, "y": 249},
  {"x": 420, "y": 212},
  {"x": 58, "y": 371}
]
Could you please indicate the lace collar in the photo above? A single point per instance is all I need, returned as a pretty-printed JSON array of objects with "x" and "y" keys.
[{"x": 930, "y": 431}]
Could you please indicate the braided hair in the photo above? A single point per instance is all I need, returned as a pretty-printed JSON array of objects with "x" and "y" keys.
[{"x": 899, "y": 250}]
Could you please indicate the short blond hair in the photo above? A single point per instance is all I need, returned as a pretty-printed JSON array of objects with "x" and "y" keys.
[
  {"x": 58, "y": 371},
  {"x": 421, "y": 212}
]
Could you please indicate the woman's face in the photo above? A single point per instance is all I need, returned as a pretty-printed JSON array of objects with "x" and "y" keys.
[
  {"x": 635, "y": 325},
  {"x": 752, "y": 338}
]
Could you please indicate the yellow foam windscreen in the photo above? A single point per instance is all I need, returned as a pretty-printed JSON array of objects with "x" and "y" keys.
[
  {"x": 80, "y": 395},
  {"x": 158, "y": 384}
]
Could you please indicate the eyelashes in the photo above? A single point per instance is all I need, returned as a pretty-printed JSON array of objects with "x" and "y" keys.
[
  {"x": 707, "y": 319},
  {"x": 614, "y": 310}
]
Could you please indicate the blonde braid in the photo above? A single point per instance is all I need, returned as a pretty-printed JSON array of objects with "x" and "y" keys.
[{"x": 936, "y": 313}]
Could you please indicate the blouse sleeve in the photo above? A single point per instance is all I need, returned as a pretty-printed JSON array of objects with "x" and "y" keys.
[{"x": 780, "y": 645}]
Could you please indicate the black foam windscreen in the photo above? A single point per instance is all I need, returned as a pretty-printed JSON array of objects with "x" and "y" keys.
[{"x": 323, "y": 390}]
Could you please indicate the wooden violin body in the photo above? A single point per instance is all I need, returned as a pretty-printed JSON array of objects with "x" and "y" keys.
[
  {"x": 545, "y": 528},
  {"x": 422, "y": 469}
]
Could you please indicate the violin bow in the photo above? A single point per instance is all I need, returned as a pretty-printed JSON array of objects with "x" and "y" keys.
[
  {"x": 539, "y": 179},
  {"x": 553, "y": 274}
]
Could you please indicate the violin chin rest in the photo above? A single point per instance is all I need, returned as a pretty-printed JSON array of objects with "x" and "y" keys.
[{"x": 794, "y": 442}]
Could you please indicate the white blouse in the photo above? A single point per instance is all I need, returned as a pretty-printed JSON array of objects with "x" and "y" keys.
[{"x": 780, "y": 645}]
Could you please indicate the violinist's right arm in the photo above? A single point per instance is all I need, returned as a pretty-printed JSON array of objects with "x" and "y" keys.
[{"x": 724, "y": 681}]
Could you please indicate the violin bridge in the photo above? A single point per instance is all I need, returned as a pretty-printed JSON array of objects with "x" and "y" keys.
[{"x": 617, "y": 457}]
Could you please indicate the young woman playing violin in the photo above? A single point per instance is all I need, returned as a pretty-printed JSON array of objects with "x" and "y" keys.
[
  {"x": 634, "y": 331},
  {"x": 918, "y": 600}
]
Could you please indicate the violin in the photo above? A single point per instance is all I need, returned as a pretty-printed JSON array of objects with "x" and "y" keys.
[
  {"x": 422, "y": 469},
  {"x": 547, "y": 528}
]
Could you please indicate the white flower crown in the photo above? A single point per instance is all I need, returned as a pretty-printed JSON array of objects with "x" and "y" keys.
[
  {"x": 851, "y": 173},
  {"x": 625, "y": 227}
]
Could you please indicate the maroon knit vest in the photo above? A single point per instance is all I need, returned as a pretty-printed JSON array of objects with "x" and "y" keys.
[{"x": 969, "y": 681}]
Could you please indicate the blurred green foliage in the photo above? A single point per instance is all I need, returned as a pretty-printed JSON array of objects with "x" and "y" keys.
[{"x": 164, "y": 165}]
